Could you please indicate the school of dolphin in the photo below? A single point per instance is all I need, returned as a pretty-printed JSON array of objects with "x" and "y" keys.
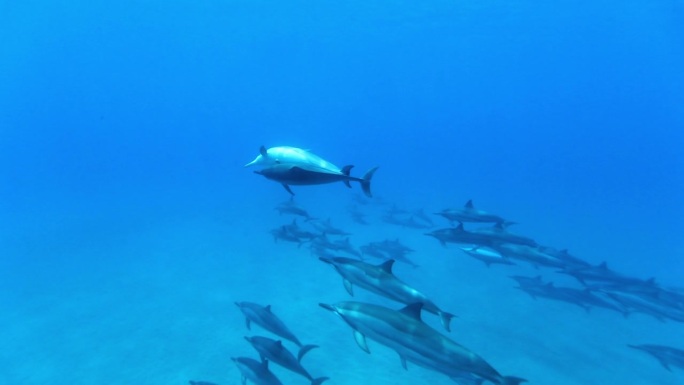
[{"x": 403, "y": 329}]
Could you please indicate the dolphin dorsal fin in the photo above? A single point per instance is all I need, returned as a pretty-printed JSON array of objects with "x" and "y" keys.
[
  {"x": 267, "y": 308},
  {"x": 346, "y": 170},
  {"x": 263, "y": 151},
  {"x": 460, "y": 226},
  {"x": 604, "y": 265},
  {"x": 387, "y": 266},
  {"x": 279, "y": 344},
  {"x": 499, "y": 226},
  {"x": 265, "y": 364},
  {"x": 469, "y": 204},
  {"x": 413, "y": 310}
]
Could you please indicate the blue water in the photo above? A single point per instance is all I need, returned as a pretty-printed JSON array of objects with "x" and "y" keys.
[{"x": 128, "y": 226}]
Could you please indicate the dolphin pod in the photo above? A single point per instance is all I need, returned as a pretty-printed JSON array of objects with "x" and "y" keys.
[
  {"x": 405, "y": 332},
  {"x": 295, "y": 166}
]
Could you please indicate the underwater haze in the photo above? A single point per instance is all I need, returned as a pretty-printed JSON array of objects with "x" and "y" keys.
[{"x": 129, "y": 226}]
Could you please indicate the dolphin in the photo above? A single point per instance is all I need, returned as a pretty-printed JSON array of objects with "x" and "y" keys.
[
  {"x": 459, "y": 235},
  {"x": 327, "y": 228},
  {"x": 666, "y": 355},
  {"x": 255, "y": 371},
  {"x": 292, "y": 208},
  {"x": 414, "y": 341},
  {"x": 304, "y": 174},
  {"x": 468, "y": 213},
  {"x": 584, "y": 298},
  {"x": 532, "y": 255},
  {"x": 602, "y": 274},
  {"x": 274, "y": 351},
  {"x": 380, "y": 251},
  {"x": 287, "y": 154},
  {"x": 379, "y": 279},
  {"x": 498, "y": 234},
  {"x": 641, "y": 304},
  {"x": 489, "y": 257},
  {"x": 409, "y": 222},
  {"x": 262, "y": 316}
]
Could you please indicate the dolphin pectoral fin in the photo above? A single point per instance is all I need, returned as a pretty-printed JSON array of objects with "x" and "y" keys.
[
  {"x": 319, "y": 381},
  {"x": 445, "y": 319},
  {"x": 664, "y": 363},
  {"x": 346, "y": 170},
  {"x": 361, "y": 341},
  {"x": 248, "y": 323},
  {"x": 288, "y": 189},
  {"x": 348, "y": 287},
  {"x": 510, "y": 380},
  {"x": 262, "y": 151},
  {"x": 403, "y": 362}
]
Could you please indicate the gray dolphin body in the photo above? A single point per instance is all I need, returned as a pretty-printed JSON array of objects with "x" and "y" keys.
[
  {"x": 255, "y": 371},
  {"x": 532, "y": 255},
  {"x": 304, "y": 174},
  {"x": 294, "y": 210},
  {"x": 415, "y": 341},
  {"x": 274, "y": 351},
  {"x": 489, "y": 257},
  {"x": 262, "y": 316},
  {"x": 379, "y": 279},
  {"x": 498, "y": 234},
  {"x": 459, "y": 235},
  {"x": 666, "y": 355},
  {"x": 468, "y": 213}
]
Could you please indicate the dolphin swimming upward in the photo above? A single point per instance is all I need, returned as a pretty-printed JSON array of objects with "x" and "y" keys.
[
  {"x": 295, "y": 166},
  {"x": 415, "y": 341}
]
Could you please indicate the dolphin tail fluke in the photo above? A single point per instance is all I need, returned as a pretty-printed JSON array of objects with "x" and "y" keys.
[
  {"x": 305, "y": 349},
  {"x": 346, "y": 170},
  {"x": 445, "y": 319},
  {"x": 365, "y": 182},
  {"x": 320, "y": 380},
  {"x": 510, "y": 380}
]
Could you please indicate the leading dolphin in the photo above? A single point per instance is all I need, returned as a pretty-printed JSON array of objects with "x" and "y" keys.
[
  {"x": 415, "y": 341},
  {"x": 287, "y": 154}
]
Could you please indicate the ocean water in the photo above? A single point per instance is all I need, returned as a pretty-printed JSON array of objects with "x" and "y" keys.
[{"x": 129, "y": 227}]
